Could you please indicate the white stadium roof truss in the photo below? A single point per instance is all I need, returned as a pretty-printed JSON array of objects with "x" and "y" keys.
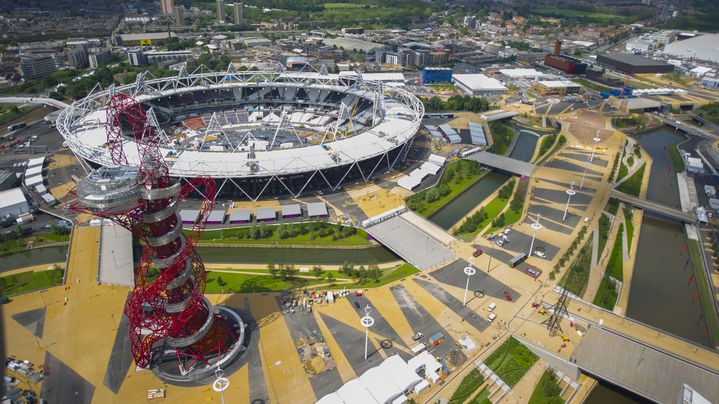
[{"x": 396, "y": 116}]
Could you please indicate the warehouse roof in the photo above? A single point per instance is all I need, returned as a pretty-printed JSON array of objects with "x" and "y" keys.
[
  {"x": 293, "y": 209},
  {"x": 702, "y": 47},
  {"x": 265, "y": 213},
  {"x": 12, "y": 197},
  {"x": 478, "y": 82},
  {"x": 242, "y": 215},
  {"x": 558, "y": 84},
  {"x": 634, "y": 60},
  {"x": 315, "y": 209},
  {"x": 518, "y": 73}
]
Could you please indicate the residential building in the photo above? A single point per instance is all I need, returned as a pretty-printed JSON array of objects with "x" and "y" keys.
[
  {"x": 432, "y": 75},
  {"x": 77, "y": 58},
  {"x": 99, "y": 58},
  {"x": 179, "y": 12},
  {"x": 239, "y": 16},
  {"x": 136, "y": 57},
  {"x": 166, "y": 6},
  {"x": 37, "y": 66},
  {"x": 220, "y": 11}
]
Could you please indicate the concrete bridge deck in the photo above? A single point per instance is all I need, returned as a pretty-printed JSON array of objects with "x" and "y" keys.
[
  {"x": 642, "y": 368},
  {"x": 503, "y": 163},
  {"x": 655, "y": 207},
  {"x": 34, "y": 100}
]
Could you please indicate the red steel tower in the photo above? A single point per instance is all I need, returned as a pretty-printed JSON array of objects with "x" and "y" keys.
[{"x": 173, "y": 328}]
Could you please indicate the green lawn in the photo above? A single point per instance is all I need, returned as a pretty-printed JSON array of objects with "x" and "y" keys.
[
  {"x": 606, "y": 296},
  {"x": 469, "y": 385},
  {"x": 491, "y": 210},
  {"x": 615, "y": 266},
  {"x": 705, "y": 291},
  {"x": 10, "y": 246},
  {"x": 546, "y": 144},
  {"x": 511, "y": 361},
  {"x": 397, "y": 274},
  {"x": 630, "y": 226},
  {"x": 633, "y": 184},
  {"x": 547, "y": 390},
  {"x": 501, "y": 136},
  {"x": 344, "y": 5},
  {"x": 677, "y": 160},
  {"x": 577, "y": 277},
  {"x": 457, "y": 177},
  {"x": 604, "y": 226},
  {"x": 592, "y": 85},
  {"x": 516, "y": 208},
  {"x": 612, "y": 206},
  {"x": 584, "y": 16},
  {"x": 315, "y": 233},
  {"x": 482, "y": 397},
  {"x": 13, "y": 285}
]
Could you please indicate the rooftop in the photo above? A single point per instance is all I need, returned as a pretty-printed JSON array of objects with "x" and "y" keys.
[
  {"x": 634, "y": 60},
  {"x": 479, "y": 82}
]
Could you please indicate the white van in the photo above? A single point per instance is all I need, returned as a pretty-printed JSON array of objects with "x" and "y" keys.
[
  {"x": 491, "y": 317},
  {"x": 491, "y": 307}
]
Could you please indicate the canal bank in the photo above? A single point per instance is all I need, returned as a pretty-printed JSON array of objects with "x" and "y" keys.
[
  {"x": 466, "y": 202},
  {"x": 33, "y": 257}
]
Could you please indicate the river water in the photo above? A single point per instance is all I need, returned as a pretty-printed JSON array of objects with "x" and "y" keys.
[
  {"x": 460, "y": 206},
  {"x": 36, "y": 256}
]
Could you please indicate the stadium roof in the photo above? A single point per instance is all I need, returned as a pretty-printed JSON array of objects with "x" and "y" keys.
[{"x": 478, "y": 82}]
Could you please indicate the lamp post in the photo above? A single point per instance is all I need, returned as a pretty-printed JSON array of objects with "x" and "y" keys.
[
  {"x": 570, "y": 193},
  {"x": 536, "y": 227},
  {"x": 367, "y": 321},
  {"x": 586, "y": 165},
  {"x": 221, "y": 383},
  {"x": 596, "y": 139},
  {"x": 469, "y": 271}
]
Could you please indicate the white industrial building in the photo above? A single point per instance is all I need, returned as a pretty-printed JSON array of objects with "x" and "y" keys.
[
  {"x": 389, "y": 78},
  {"x": 479, "y": 84},
  {"x": 702, "y": 47},
  {"x": 13, "y": 202},
  {"x": 522, "y": 73}
]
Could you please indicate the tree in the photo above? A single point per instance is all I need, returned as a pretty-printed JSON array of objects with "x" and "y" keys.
[
  {"x": 317, "y": 271},
  {"x": 330, "y": 278},
  {"x": 220, "y": 282},
  {"x": 272, "y": 269}
]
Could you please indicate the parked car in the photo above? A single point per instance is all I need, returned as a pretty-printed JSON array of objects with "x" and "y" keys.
[
  {"x": 491, "y": 317},
  {"x": 507, "y": 230},
  {"x": 477, "y": 252},
  {"x": 540, "y": 252},
  {"x": 533, "y": 272},
  {"x": 500, "y": 242}
]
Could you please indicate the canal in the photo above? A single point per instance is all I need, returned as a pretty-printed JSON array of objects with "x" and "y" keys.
[
  {"x": 460, "y": 206},
  {"x": 306, "y": 256},
  {"x": 36, "y": 256}
]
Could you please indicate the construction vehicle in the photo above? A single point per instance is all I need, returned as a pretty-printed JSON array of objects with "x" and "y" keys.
[
  {"x": 542, "y": 310},
  {"x": 565, "y": 337}
]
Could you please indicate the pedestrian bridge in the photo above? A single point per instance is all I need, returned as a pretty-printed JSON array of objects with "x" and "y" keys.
[
  {"x": 652, "y": 373},
  {"x": 503, "y": 163},
  {"x": 654, "y": 207},
  {"x": 34, "y": 100}
]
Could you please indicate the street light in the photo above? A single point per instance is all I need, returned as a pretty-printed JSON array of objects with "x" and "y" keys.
[
  {"x": 596, "y": 139},
  {"x": 469, "y": 271},
  {"x": 366, "y": 322},
  {"x": 586, "y": 165},
  {"x": 570, "y": 192},
  {"x": 536, "y": 227},
  {"x": 221, "y": 383}
]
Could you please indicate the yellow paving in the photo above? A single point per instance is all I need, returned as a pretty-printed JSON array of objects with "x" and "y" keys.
[
  {"x": 60, "y": 191},
  {"x": 60, "y": 160},
  {"x": 384, "y": 301}
]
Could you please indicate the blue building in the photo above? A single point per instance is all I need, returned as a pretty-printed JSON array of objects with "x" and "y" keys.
[{"x": 432, "y": 75}]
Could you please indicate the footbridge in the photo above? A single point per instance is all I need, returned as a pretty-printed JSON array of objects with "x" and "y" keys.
[
  {"x": 34, "y": 100},
  {"x": 502, "y": 163},
  {"x": 645, "y": 370},
  {"x": 690, "y": 129},
  {"x": 654, "y": 207}
]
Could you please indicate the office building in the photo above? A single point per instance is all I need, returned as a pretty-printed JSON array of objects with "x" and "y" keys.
[
  {"x": 77, "y": 58},
  {"x": 239, "y": 17},
  {"x": 556, "y": 87},
  {"x": 37, "y": 66},
  {"x": 179, "y": 12},
  {"x": 136, "y": 57},
  {"x": 220, "y": 11}
]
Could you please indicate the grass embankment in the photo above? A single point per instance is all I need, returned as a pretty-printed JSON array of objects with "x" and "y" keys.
[
  {"x": 633, "y": 184},
  {"x": 480, "y": 219},
  {"x": 482, "y": 397},
  {"x": 547, "y": 390},
  {"x": 677, "y": 159},
  {"x": 263, "y": 281},
  {"x": 469, "y": 384},
  {"x": 615, "y": 266},
  {"x": 11, "y": 113},
  {"x": 502, "y": 136},
  {"x": 710, "y": 112},
  {"x": 13, "y": 244},
  {"x": 313, "y": 233},
  {"x": 594, "y": 86},
  {"x": 612, "y": 206},
  {"x": 614, "y": 167},
  {"x": 604, "y": 15},
  {"x": 606, "y": 296},
  {"x": 705, "y": 291},
  {"x": 577, "y": 277},
  {"x": 516, "y": 207},
  {"x": 13, "y": 285},
  {"x": 511, "y": 361},
  {"x": 628, "y": 215},
  {"x": 457, "y": 177},
  {"x": 546, "y": 144}
]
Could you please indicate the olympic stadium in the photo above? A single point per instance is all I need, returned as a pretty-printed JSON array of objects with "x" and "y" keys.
[{"x": 259, "y": 134}]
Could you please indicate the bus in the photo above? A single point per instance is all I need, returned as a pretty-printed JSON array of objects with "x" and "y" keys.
[
  {"x": 16, "y": 126},
  {"x": 518, "y": 260}
]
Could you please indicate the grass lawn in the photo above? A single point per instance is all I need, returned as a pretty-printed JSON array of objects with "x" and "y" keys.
[
  {"x": 677, "y": 160},
  {"x": 511, "y": 361},
  {"x": 612, "y": 206},
  {"x": 345, "y": 5},
  {"x": 428, "y": 201},
  {"x": 615, "y": 266},
  {"x": 592, "y": 85},
  {"x": 516, "y": 207},
  {"x": 492, "y": 209},
  {"x": 501, "y": 136},
  {"x": 705, "y": 291},
  {"x": 242, "y": 236},
  {"x": 546, "y": 144},
  {"x": 606, "y": 296},
  {"x": 628, "y": 214},
  {"x": 13, "y": 285},
  {"x": 397, "y": 274},
  {"x": 547, "y": 390},
  {"x": 576, "y": 279},
  {"x": 469, "y": 385},
  {"x": 623, "y": 171},
  {"x": 633, "y": 184},
  {"x": 21, "y": 244},
  {"x": 482, "y": 397}
]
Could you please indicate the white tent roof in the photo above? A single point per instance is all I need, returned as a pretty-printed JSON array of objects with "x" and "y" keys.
[
  {"x": 217, "y": 215},
  {"x": 12, "y": 197},
  {"x": 437, "y": 159},
  {"x": 316, "y": 209},
  {"x": 293, "y": 209},
  {"x": 242, "y": 215},
  {"x": 332, "y": 398},
  {"x": 430, "y": 168},
  {"x": 354, "y": 392},
  {"x": 409, "y": 183},
  {"x": 381, "y": 387},
  {"x": 265, "y": 213},
  {"x": 400, "y": 373},
  {"x": 189, "y": 215}
]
